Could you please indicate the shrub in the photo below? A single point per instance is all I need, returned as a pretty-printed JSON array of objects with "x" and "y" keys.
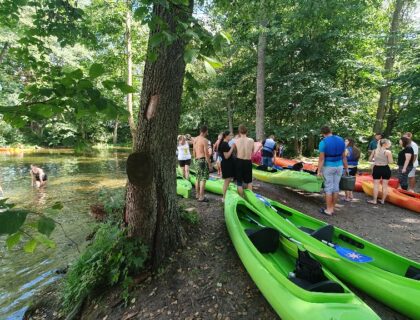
[
  {"x": 110, "y": 259},
  {"x": 190, "y": 216}
]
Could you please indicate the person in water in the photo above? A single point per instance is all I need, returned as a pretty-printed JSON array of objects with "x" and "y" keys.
[
  {"x": 184, "y": 156},
  {"x": 202, "y": 158},
  {"x": 243, "y": 164},
  {"x": 39, "y": 178}
]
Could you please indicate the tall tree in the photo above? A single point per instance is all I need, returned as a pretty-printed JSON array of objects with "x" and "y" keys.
[
  {"x": 262, "y": 44},
  {"x": 390, "y": 53},
  {"x": 130, "y": 71},
  {"x": 151, "y": 211}
]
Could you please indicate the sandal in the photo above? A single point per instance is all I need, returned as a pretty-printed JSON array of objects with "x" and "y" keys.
[
  {"x": 322, "y": 210},
  {"x": 203, "y": 200},
  {"x": 372, "y": 202}
]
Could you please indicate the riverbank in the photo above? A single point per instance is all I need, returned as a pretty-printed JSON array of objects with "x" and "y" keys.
[{"x": 206, "y": 279}]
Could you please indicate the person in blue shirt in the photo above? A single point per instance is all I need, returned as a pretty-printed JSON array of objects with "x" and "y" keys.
[
  {"x": 332, "y": 159},
  {"x": 353, "y": 156},
  {"x": 373, "y": 144},
  {"x": 268, "y": 151}
]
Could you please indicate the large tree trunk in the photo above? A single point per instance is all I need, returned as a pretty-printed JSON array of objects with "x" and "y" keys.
[
  {"x": 130, "y": 72},
  {"x": 151, "y": 203},
  {"x": 262, "y": 43},
  {"x": 390, "y": 52}
]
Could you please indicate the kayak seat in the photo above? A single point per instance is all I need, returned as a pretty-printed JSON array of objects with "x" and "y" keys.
[
  {"x": 266, "y": 240},
  {"x": 413, "y": 273},
  {"x": 323, "y": 233},
  {"x": 327, "y": 286}
]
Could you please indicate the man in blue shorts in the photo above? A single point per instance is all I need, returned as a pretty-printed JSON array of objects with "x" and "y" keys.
[{"x": 332, "y": 159}]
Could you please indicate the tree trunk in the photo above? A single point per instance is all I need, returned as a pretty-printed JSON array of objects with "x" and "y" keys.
[
  {"x": 115, "y": 133},
  {"x": 390, "y": 52},
  {"x": 392, "y": 117},
  {"x": 151, "y": 202},
  {"x": 311, "y": 144},
  {"x": 262, "y": 43},
  {"x": 297, "y": 147},
  {"x": 4, "y": 51},
  {"x": 130, "y": 72},
  {"x": 230, "y": 113}
]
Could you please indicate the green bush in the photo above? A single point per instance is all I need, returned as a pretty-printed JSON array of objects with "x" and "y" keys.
[
  {"x": 113, "y": 201},
  {"x": 190, "y": 216},
  {"x": 109, "y": 260}
]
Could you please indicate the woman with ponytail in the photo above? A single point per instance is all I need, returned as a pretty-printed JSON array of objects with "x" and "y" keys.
[
  {"x": 382, "y": 158},
  {"x": 227, "y": 163}
]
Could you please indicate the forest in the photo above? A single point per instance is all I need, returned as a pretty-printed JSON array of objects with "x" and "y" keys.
[{"x": 85, "y": 75}]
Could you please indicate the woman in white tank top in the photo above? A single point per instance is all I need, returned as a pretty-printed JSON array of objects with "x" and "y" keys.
[
  {"x": 382, "y": 157},
  {"x": 184, "y": 156}
]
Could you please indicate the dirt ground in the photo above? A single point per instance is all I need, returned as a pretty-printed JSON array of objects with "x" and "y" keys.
[{"x": 206, "y": 280}]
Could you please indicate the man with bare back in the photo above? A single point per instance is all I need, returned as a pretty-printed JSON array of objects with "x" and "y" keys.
[
  {"x": 243, "y": 164},
  {"x": 202, "y": 159}
]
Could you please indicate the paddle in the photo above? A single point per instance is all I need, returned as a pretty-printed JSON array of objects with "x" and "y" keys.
[{"x": 347, "y": 253}]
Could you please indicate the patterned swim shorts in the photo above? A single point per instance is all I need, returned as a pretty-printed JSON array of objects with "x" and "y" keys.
[{"x": 202, "y": 169}]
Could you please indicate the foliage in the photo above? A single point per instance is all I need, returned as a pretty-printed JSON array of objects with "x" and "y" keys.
[
  {"x": 37, "y": 230},
  {"x": 190, "y": 216},
  {"x": 109, "y": 260},
  {"x": 113, "y": 201}
]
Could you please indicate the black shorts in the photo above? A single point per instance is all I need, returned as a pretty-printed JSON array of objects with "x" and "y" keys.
[
  {"x": 381, "y": 172},
  {"x": 228, "y": 169},
  {"x": 183, "y": 163},
  {"x": 44, "y": 178},
  {"x": 352, "y": 171},
  {"x": 243, "y": 171}
]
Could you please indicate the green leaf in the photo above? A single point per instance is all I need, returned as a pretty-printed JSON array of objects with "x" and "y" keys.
[
  {"x": 11, "y": 221},
  {"x": 141, "y": 13},
  {"x": 76, "y": 74},
  {"x": 84, "y": 84},
  {"x": 57, "y": 206},
  {"x": 125, "y": 88},
  {"x": 46, "y": 225},
  {"x": 209, "y": 69},
  {"x": 156, "y": 39},
  {"x": 13, "y": 240},
  {"x": 96, "y": 70},
  {"x": 108, "y": 84},
  {"x": 43, "y": 110},
  {"x": 213, "y": 62},
  {"x": 30, "y": 246},
  {"x": 43, "y": 239},
  {"x": 227, "y": 36},
  {"x": 190, "y": 55}
]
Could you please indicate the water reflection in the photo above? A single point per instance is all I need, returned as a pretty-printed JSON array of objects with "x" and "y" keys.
[{"x": 72, "y": 180}]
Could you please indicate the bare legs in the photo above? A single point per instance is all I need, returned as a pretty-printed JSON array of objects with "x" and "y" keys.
[
  {"x": 349, "y": 196},
  {"x": 411, "y": 183},
  {"x": 186, "y": 172},
  {"x": 201, "y": 191},
  {"x": 225, "y": 187},
  {"x": 384, "y": 190},
  {"x": 330, "y": 199},
  {"x": 376, "y": 191},
  {"x": 245, "y": 186}
]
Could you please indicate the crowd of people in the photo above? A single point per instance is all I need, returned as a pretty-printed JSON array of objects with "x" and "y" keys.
[{"x": 234, "y": 155}]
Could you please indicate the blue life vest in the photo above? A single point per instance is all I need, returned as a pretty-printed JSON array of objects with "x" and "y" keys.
[
  {"x": 269, "y": 145},
  {"x": 351, "y": 160},
  {"x": 334, "y": 148}
]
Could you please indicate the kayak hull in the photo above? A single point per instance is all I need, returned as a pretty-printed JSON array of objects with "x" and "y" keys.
[
  {"x": 398, "y": 197},
  {"x": 270, "y": 273},
  {"x": 288, "y": 163},
  {"x": 393, "y": 182},
  {"x": 383, "y": 278},
  {"x": 290, "y": 178},
  {"x": 183, "y": 187}
]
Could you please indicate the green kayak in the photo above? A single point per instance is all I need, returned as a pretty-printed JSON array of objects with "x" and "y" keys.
[
  {"x": 270, "y": 260},
  {"x": 183, "y": 187},
  {"x": 289, "y": 178},
  {"x": 213, "y": 185},
  {"x": 389, "y": 278}
]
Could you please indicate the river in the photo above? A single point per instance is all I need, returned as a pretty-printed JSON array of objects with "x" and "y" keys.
[{"x": 74, "y": 180}]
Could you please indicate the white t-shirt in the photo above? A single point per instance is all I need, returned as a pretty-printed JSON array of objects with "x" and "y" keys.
[
  {"x": 184, "y": 152},
  {"x": 416, "y": 152}
]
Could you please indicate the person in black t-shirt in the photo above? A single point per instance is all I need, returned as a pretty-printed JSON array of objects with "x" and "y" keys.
[
  {"x": 405, "y": 162},
  {"x": 227, "y": 164}
]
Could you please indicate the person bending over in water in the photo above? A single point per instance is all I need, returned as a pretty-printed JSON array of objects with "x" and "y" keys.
[{"x": 39, "y": 178}]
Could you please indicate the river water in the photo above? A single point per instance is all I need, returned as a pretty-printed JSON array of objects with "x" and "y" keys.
[{"x": 74, "y": 180}]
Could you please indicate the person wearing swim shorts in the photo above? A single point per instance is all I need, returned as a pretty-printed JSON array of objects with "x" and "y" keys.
[
  {"x": 202, "y": 159},
  {"x": 243, "y": 164}
]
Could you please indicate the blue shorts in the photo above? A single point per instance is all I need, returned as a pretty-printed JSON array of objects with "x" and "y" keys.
[
  {"x": 267, "y": 161},
  {"x": 332, "y": 177}
]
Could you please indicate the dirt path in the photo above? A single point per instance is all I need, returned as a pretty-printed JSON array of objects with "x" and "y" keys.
[{"x": 206, "y": 280}]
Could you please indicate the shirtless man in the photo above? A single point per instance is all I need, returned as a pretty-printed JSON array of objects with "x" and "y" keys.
[
  {"x": 202, "y": 159},
  {"x": 244, "y": 148}
]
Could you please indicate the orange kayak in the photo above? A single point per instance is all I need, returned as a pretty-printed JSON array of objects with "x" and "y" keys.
[
  {"x": 288, "y": 163},
  {"x": 401, "y": 198},
  {"x": 366, "y": 176}
]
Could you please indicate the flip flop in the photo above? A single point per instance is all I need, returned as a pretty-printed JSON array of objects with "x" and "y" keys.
[
  {"x": 204, "y": 200},
  {"x": 322, "y": 210},
  {"x": 371, "y": 202}
]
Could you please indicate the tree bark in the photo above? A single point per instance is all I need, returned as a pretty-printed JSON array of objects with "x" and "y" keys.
[
  {"x": 390, "y": 52},
  {"x": 130, "y": 72},
  {"x": 4, "y": 51},
  {"x": 151, "y": 203},
  {"x": 115, "y": 133},
  {"x": 262, "y": 44},
  {"x": 297, "y": 143},
  {"x": 311, "y": 144},
  {"x": 230, "y": 113}
]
